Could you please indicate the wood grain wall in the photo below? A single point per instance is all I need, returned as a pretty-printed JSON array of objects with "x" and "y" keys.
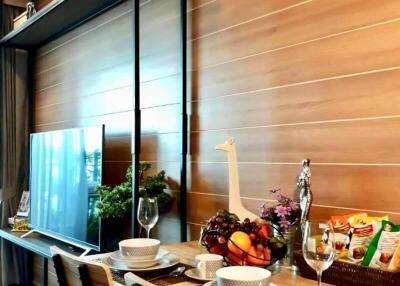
[
  {"x": 294, "y": 79},
  {"x": 289, "y": 79}
]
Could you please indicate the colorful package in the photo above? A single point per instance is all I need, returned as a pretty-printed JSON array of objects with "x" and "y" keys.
[
  {"x": 361, "y": 232},
  {"x": 382, "y": 248},
  {"x": 341, "y": 227},
  {"x": 395, "y": 263}
]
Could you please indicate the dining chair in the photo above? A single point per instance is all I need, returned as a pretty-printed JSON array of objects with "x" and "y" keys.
[{"x": 72, "y": 270}]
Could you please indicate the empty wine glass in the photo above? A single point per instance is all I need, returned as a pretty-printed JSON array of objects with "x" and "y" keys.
[
  {"x": 318, "y": 246},
  {"x": 147, "y": 213}
]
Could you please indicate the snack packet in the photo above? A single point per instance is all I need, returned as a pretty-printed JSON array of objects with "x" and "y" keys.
[
  {"x": 341, "y": 226},
  {"x": 395, "y": 263},
  {"x": 382, "y": 247},
  {"x": 360, "y": 235}
]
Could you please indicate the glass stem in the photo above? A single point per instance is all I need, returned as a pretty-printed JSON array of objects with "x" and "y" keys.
[
  {"x": 319, "y": 277},
  {"x": 148, "y": 232}
]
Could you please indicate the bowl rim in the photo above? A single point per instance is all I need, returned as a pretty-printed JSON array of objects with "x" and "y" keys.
[
  {"x": 126, "y": 242},
  {"x": 220, "y": 273}
]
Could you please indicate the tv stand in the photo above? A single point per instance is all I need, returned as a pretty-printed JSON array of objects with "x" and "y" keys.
[
  {"x": 85, "y": 249},
  {"x": 39, "y": 244}
]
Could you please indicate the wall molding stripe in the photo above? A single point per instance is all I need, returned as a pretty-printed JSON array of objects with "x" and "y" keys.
[
  {"x": 302, "y": 43},
  {"x": 252, "y": 20},
  {"x": 302, "y": 123},
  {"x": 386, "y": 69}
]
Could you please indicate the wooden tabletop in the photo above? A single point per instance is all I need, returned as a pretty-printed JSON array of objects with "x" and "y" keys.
[{"x": 188, "y": 250}]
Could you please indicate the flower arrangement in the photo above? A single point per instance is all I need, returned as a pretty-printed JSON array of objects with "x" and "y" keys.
[{"x": 284, "y": 213}]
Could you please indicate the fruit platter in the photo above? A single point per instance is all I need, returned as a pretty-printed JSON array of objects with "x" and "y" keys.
[{"x": 243, "y": 242}]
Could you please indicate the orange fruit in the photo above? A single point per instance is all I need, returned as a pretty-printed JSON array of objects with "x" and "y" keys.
[
  {"x": 256, "y": 257},
  {"x": 234, "y": 260},
  {"x": 267, "y": 256},
  {"x": 239, "y": 243}
]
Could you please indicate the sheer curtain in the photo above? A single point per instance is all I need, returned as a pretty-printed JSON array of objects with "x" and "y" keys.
[
  {"x": 59, "y": 182},
  {"x": 14, "y": 132}
]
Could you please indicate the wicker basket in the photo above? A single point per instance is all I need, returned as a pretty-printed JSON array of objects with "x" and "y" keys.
[{"x": 347, "y": 274}]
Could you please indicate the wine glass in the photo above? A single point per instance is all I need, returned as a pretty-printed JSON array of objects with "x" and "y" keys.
[
  {"x": 147, "y": 213},
  {"x": 318, "y": 246}
]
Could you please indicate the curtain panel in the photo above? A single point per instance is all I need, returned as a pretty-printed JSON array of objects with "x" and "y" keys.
[{"x": 15, "y": 262}]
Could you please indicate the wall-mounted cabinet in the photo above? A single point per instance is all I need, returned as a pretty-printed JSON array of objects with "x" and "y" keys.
[{"x": 53, "y": 20}]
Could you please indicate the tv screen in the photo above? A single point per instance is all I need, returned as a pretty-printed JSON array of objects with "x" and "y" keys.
[{"x": 65, "y": 168}]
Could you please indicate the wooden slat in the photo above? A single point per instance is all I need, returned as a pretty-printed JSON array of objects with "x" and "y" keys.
[
  {"x": 114, "y": 172},
  {"x": 199, "y": 214},
  {"x": 79, "y": 49},
  {"x": 347, "y": 186},
  {"x": 160, "y": 147},
  {"x": 114, "y": 101},
  {"x": 163, "y": 119},
  {"x": 166, "y": 89},
  {"x": 349, "y": 53},
  {"x": 222, "y": 14},
  {"x": 329, "y": 100},
  {"x": 160, "y": 92},
  {"x": 312, "y": 20},
  {"x": 116, "y": 124},
  {"x": 117, "y": 148},
  {"x": 119, "y": 31},
  {"x": 153, "y": 12},
  {"x": 369, "y": 141},
  {"x": 119, "y": 76}
]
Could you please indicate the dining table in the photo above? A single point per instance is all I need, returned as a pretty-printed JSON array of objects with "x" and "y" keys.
[{"x": 186, "y": 252}]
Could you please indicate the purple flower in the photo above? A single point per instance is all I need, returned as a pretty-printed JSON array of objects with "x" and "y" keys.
[
  {"x": 284, "y": 224},
  {"x": 282, "y": 198},
  {"x": 281, "y": 211},
  {"x": 293, "y": 206}
]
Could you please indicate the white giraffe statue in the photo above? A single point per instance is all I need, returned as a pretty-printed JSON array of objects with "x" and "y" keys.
[{"x": 235, "y": 203}]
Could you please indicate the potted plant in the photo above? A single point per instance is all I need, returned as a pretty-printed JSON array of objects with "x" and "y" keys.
[
  {"x": 115, "y": 204},
  {"x": 154, "y": 186}
]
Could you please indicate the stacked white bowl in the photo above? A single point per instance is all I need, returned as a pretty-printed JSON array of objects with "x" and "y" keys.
[{"x": 138, "y": 252}]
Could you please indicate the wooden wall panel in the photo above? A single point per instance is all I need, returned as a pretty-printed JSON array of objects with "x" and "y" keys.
[
  {"x": 313, "y": 79},
  {"x": 308, "y": 21},
  {"x": 343, "y": 98},
  {"x": 221, "y": 14},
  {"x": 348, "y": 185},
  {"x": 348, "y": 53}
]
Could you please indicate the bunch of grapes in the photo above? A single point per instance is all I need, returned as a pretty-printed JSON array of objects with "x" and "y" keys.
[{"x": 218, "y": 230}]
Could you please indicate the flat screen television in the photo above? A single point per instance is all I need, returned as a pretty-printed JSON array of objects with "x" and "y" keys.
[{"x": 65, "y": 168}]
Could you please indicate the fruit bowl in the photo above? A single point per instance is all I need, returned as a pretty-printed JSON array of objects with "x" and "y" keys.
[{"x": 249, "y": 243}]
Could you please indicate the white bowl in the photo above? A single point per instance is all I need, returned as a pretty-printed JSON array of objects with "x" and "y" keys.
[
  {"x": 242, "y": 276},
  {"x": 139, "y": 247}
]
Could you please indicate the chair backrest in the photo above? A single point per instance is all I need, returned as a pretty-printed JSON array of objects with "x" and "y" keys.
[{"x": 72, "y": 270}]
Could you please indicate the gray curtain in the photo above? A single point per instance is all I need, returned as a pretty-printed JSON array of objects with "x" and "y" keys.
[{"x": 14, "y": 139}]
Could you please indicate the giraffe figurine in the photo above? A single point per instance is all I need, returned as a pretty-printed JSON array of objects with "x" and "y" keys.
[{"x": 235, "y": 203}]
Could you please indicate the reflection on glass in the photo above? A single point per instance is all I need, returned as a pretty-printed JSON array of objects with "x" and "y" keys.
[{"x": 65, "y": 170}]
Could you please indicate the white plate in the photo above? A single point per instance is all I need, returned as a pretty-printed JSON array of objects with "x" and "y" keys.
[
  {"x": 194, "y": 274},
  {"x": 117, "y": 257},
  {"x": 161, "y": 252},
  {"x": 211, "y": 283},
  {"x": 167, "y": 261}
]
